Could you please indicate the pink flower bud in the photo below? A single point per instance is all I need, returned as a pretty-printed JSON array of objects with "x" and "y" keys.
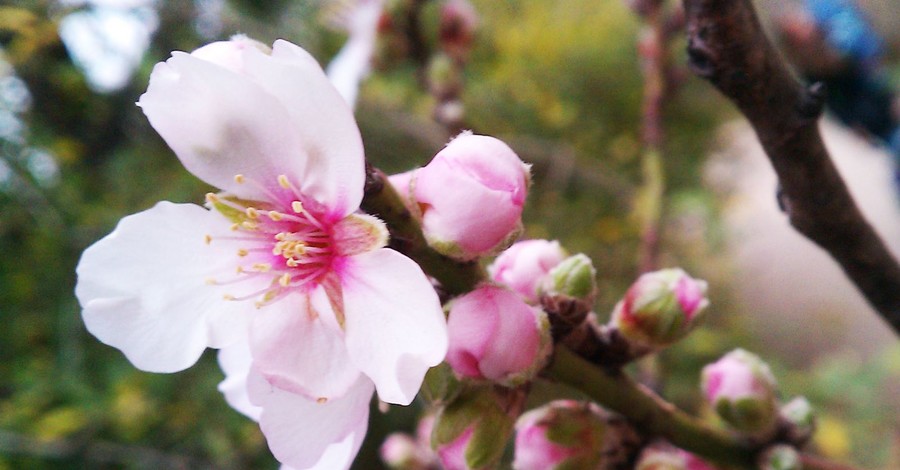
[
  {"x": 471, "y": 431},
  {"x": 471, "y": 197},
  {"x": 561, "y": 434},
  {"x": 660, "y": 308},
  {"x": 402, "y": 183},
  {"x": 495, "y": 335},
  {"x": 523, "y": 266},
  {"x": 400, "y": 451},
  {"x": 741, "y": 388}
]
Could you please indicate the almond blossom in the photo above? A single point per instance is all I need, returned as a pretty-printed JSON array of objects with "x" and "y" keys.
[{"x": 279, "y": 268}]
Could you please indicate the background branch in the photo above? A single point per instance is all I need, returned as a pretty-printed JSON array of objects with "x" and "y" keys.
[{"x": 728, "y": 47}]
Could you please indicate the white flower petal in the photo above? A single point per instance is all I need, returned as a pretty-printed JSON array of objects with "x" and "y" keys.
[
  {"x": 395, "y": 328},
  {"x": 144, "y": 288},
  {"x": 296, "y": 350},
  {"x": 328, "y": 133},
  {"x": 235, "y": 361},
  {"x": 221, "y": 124},
  {"x": 304, "y": 433}
]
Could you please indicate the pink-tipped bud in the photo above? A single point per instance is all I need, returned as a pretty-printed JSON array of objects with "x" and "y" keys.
[
  {"x": 561, "y": 434},
  {"x": 471, "y": 197},
  {"x": 664, "y": 456},
  {"x": 660, "y": 308},
  {"x": 471, "y": 432},
  {"x": 523, "y": 266},
  {"x": 495, "y": 335},
  {"x": 741, "y": 388}
]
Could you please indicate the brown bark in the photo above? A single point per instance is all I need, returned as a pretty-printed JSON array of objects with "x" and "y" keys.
[{"x": 728, "y": 47}]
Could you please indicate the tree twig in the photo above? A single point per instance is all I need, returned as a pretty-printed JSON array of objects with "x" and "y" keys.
[{"x": 727, "y": 46}]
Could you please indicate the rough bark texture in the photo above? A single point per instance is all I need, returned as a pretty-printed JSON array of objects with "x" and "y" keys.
[{"x": 728, "y": 47}]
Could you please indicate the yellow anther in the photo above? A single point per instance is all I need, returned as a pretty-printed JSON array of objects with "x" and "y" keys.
[
  {"x": 242, "y": 252},
  {"x": 252, "y": 212},
  {"x": 240, "y": 270},
  {"x": 228, "y": 297},
  {"x": 321, "y": 400},
  {"x": 276, "y": 216},
  {"x": 207, "y": 239},
  {"x": 210, "y": 281},
  {"x": 284, "y": 280},
  {"x": 284, "y": 182},
  {"x": 262, "y": 267},
  {"x": 234, "y": 227},
  {"x": 297, "y": 206},
  {"x": 281, "y": 236},
  {"x": 291, "y": 262},
  {"x": 211, "y": 197},
  {"x": 249, "y": 225},
  {"x": 239, "y": 179}
]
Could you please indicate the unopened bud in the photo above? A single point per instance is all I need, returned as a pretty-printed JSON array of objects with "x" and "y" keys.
[
  {"x": 459, "y": 20},
  {"x": 472, "y": 195},
  {"x": 561, "y": 434},
  {"x": 780, "y": 457},
  {"x": 660, "y": 308},
  {"x": 741, "y": 388},
  {"x": 574, "y": 277},
  {"x": 401, "y": 452},
  {"x": 664, "y": 456},
  {"x": 495, "y": 335},
  {"x": 523, "y": 266},
  {"x": 471, "y": 432},
  {"x": 799, "y": 416}
]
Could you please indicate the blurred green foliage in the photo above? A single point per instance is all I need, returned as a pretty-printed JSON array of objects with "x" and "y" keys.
[{"x": 559, "y": 81}]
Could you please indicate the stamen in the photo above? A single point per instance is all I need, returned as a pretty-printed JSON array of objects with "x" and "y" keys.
[
  {"x": 242, "y": 252},
  {"x": 249, "y": 225},
  {"x": 212, "y": 198},
  {"x": 235, "y": 227},
  {"x": 210, "y": 281},
  {"x": 229, "y": 297},
  {"x": 252, "y": 213},
  {"x": 275, "y": 216},
  {"x": 284, "y": 280},
  {"x": 239, "y": 179},
  {"x": 321, "y": 400},
  {"x": 297, "y": 206},
  {"x": 262, "y": 267},
  {"x": 284, "y": 182},
  {"x": 207, "y": 239}
]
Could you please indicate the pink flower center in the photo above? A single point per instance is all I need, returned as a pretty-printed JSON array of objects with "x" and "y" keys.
[{"x": 289, "y": 246}]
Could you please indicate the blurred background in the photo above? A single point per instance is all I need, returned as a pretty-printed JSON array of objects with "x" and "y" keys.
[{"x": 559, "y": 81}]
